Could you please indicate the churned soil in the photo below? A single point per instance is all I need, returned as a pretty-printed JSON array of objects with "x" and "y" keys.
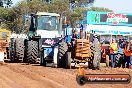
[{"x": 20, "y": 75}]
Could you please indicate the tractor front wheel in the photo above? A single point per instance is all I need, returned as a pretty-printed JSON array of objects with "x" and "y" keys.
[
  {"x": 61, "y": 54},
  {"x": 32, "y": 51}
]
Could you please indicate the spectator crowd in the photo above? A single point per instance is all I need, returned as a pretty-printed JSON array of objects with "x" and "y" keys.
[{"x": 118, "y": 54}]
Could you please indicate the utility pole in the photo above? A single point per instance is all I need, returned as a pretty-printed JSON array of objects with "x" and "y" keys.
[{"x": 61, "y": 18}]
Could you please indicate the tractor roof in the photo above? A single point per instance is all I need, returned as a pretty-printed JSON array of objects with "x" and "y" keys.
[{"x": 47, "y": 14}]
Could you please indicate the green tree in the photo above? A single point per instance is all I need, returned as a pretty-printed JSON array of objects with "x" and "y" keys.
[
  {"x": 78, "y": 13},
  {"x": 13, "y": 17},
  {"x": 99, "y": 9},
  {"x": 37, "y": 6},
  {"x": 7, "y": 18},
  {"x": 19, "y": 11},
  {"x": 78, "y": 10},
  {"x": 59, "y": 6},
  {"x": 26, "y": 8}
]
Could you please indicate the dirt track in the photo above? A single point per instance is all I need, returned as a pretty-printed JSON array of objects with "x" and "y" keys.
[{"x": 31, "y": 76}]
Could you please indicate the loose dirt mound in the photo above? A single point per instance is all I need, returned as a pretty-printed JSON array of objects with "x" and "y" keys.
[{"x": 29, "y": 76}]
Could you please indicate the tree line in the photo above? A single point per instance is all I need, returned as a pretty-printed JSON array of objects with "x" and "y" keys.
[{"x": 11, "y": 17}]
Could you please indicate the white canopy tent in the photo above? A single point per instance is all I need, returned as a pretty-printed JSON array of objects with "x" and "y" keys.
[{"x": 109, "y": 30}]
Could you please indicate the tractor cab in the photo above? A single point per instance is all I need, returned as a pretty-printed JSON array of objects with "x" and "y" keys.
[{"x": 45, "y": 25}]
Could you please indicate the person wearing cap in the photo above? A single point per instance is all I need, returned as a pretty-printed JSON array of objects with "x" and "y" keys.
[{"x": 113, "y": 52}]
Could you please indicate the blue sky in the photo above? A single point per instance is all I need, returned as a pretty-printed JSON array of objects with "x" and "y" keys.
[
  {"x": 115, "y": 5},
  {"x": 15, "y": 1}
]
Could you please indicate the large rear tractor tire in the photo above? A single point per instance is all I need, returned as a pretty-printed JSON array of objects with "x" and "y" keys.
[
  {"x": 12, "y": 51},
  {"x": 32, "y": 52},
  {"x": 20, "y": 49},
  {"x": 62, "y": 48}
]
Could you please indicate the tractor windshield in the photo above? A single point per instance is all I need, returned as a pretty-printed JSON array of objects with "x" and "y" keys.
[{"x": 50, "y": 23}]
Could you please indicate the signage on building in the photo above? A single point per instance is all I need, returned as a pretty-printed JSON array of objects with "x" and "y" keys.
[
  {"x": 109, "y": 18},
  {"x": 116, "y": 18}
]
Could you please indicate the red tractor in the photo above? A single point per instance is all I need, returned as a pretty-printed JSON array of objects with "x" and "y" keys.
[{"x": 105, "y": 53}]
